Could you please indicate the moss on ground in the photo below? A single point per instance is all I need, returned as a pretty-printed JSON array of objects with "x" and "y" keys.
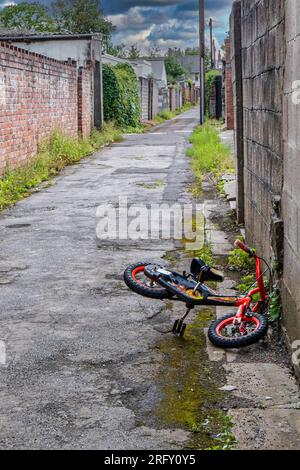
[{"x": 190, "y": 388}]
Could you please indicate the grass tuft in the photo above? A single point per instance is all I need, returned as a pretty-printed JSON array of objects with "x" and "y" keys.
[
  {"x": 166, "y": 114},
  {"x": 208, "y": 153}
]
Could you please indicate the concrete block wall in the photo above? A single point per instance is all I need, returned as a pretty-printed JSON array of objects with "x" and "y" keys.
[
  {"x": 263, "y": 60},
  {"x": 37, "y": 95},
  {"x": 238, "y": 114},
  {"x": 229, "y": 119},
  {"x": 267, "y": 65}
]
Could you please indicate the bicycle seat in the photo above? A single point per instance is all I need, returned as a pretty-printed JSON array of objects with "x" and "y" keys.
[{"x": 207, "y": 273}]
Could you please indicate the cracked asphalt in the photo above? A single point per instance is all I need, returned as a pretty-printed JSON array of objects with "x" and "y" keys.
[{"x": 82, "y": 356}]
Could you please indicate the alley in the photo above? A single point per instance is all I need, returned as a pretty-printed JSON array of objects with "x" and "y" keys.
[{"x": 78, "y": 343}]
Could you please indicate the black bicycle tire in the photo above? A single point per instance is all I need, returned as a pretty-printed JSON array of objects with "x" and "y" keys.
[
  {"x": 158, "y": 293},
  {"x": 243, "y": 341}
]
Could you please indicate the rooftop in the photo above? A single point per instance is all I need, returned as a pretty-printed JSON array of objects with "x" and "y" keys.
[{"x": 25, "y": 36}]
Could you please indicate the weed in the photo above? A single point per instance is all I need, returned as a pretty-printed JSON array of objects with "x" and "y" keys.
[
  {"x": 53, "y": 155},
  {"x": 208, "y": 153},
  {"x": 248, "y": 283},
  {"x": 240, "y": 261},
  {"x": 166, "y": 114},
  {"x": 205, "y": 253},
  {"x": 157, "y": 184},
  {"x": 275, "y": 308}
]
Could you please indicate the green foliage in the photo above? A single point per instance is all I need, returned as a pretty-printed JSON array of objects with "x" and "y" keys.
[
  {"x": 210, "y": 79},
  {"x": 275, "y": 307},
  {"x": 226, "y": 439},
  {"x": 121, "y": 96},
  {"x": 205, "y": 253},
  {"x": 248, "y": 283},
  {"x": 27, "y": 16},
  {"x": 53, "y": 156},
  {"x": 82, "y": 16},
  {"x": 175, "y": 71},
  {"x": 166, "y": 114},
  {"x": 241, "y": 261},
  {"x": 134, "y": 52},
  {"x": 208, "y": 153}
]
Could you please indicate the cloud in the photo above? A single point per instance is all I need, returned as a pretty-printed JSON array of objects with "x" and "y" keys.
[
  {"x": 6, "y": 3},
  {"x": 165, "y": 22},
  {"x": 162, "y": 23}
]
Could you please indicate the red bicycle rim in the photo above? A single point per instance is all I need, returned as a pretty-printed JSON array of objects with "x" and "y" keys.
[
  {"x": 136, "y": 271},
  {"x": 229, "y": 321}
]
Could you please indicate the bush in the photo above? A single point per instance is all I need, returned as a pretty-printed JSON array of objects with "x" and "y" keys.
[
  {"x": 210, "y": 79},
  {"x": 121, "y": 96}
]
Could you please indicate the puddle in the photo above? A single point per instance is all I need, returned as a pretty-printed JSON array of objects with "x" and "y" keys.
[
  {"x": 157, "y": 184},
  {"x": 189, "y": 384}
]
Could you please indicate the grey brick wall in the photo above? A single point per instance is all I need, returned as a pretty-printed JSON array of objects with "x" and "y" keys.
[
  {"x": 269, "y": 59},
  {"x": 258, "y": 59},
  {"x": 263, "y": 45}
]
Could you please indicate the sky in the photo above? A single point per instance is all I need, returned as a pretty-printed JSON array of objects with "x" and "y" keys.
[{"x": 161, "y": 23}]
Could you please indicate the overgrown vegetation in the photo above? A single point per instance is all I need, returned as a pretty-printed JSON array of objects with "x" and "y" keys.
[
  {"x": 210, "y": 80},
  {"x": 249, "y": 282},
  {"x": 53, "y": 156},
  {"x": 121, "y": 96},
  {"x": 275, "y": 307},
  {"x": 208, "y": 153},
  {"x": 72, "y": 16},
  {"x": 174, "y": 69},
  {"x": 241, "y": 261},
  {"x": 166, "y": 114},
  {"x": 205, "y": 253}
]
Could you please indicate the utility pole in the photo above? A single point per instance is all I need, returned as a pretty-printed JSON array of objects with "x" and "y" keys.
[
  {"x": 211, "y": 44},
  {"x": 214, "y": 53},
  {"x": 202, "y": 58}
]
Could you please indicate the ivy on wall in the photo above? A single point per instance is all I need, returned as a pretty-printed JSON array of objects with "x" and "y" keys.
[
  {"x": 121, "y": 96},
  {"x": 210, "y": 80}
]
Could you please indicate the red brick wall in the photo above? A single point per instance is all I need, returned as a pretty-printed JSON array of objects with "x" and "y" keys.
[
  {"x": 229, "y": 116},
  {"x": 85, "y": 103},
  {"x": 37, "y": 95}
]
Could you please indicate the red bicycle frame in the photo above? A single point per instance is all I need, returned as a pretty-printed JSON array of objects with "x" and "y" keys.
[{"x": 244, "y": 303}]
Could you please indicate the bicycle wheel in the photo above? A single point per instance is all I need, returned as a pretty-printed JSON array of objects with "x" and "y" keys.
[
  {"x": 135, "y": 279},
  {"x": 223, "y": 333}
]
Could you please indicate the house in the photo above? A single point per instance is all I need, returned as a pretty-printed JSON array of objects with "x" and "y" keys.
[
  {"x": 159, "y": 74},
  {"x": 85, "y": 49},
  {"x": 191, "y": 63}
]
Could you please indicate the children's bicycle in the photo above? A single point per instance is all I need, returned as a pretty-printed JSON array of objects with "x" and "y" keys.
[{"x": 246, "y": 327}]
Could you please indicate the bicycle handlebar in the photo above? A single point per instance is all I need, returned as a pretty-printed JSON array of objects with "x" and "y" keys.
[{"x": 240, "y": 245}]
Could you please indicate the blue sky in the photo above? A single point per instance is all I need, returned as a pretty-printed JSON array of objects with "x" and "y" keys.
[{"x": 162, "y": 23}]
